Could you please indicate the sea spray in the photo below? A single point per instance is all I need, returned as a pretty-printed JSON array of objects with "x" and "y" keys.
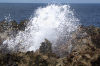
[
  {"x": 8, "y": 18},
  {"x": 53, "y": 22}
]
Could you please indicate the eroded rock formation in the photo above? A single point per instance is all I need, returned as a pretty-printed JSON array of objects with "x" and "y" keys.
[{"x": 84, "y": 49}]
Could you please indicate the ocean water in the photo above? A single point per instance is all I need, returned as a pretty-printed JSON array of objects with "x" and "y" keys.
[
  {"x": 55, "y": 22},
  {"x": 88, "y": 14}
]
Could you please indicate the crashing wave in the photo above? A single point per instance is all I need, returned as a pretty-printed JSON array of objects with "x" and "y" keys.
[{"x": 53, "y": 22}]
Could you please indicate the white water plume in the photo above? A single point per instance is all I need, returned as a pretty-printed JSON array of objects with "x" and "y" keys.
[{"x": 51, "y": 22}]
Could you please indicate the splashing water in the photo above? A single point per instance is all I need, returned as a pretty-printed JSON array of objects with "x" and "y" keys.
[
  {"x": 51, "y": 22},
  {"x": 8, "y": 18}
]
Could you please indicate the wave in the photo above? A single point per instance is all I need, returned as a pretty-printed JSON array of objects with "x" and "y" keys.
[{"x": 53, "y": 22}]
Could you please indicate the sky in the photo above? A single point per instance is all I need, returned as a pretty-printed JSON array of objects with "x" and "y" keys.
[{"x": 48, "y": 1}]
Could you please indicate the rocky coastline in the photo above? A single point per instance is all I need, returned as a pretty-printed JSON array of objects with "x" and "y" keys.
[{"x": 85, "y": 48}]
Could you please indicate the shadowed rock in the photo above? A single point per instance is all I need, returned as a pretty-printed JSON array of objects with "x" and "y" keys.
[{"x": 46, "y": 47}]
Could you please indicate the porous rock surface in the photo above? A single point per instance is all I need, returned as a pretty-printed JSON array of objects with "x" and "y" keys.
[{"x": 85, "y": 49}]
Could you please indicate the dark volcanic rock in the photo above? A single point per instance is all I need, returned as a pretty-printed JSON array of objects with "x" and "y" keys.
[
  {"x": 46, "y": 47},
  {"x": 22, "y": 25},
  {"x": 83, "y": 49},
  {"x": 11, "y": 28}
]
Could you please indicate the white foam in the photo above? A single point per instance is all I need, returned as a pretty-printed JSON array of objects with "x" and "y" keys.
[{"x": 51, "y": 22}]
